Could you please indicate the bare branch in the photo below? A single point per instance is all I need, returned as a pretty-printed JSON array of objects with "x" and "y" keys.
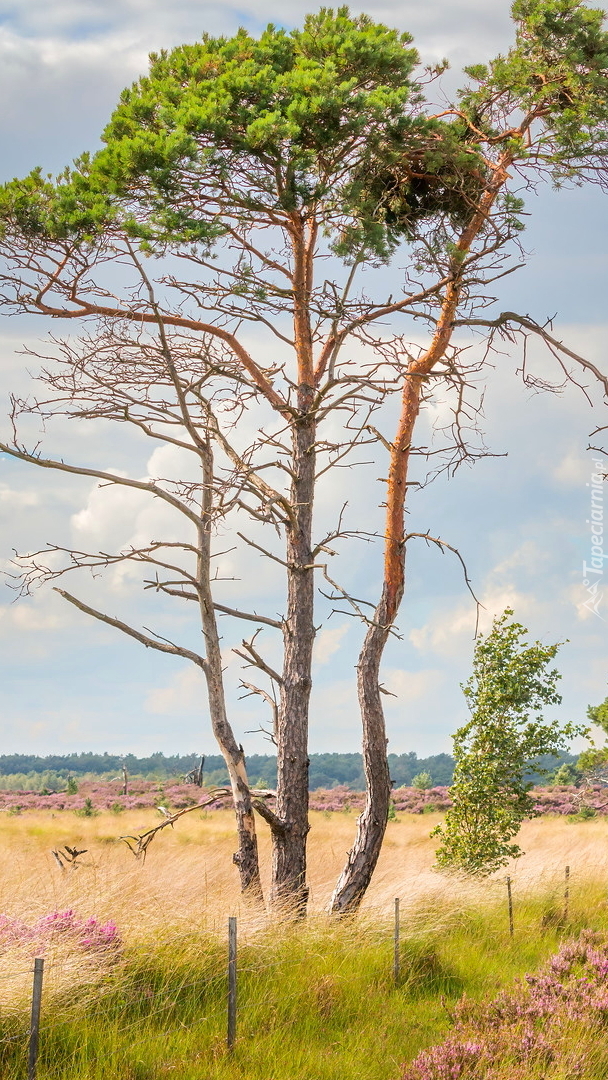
[
  {"x": 85, "y": 307},
  {"x": 149, "y": 642},
  {"x": 507, "y": 318},
  {"x": 443, "y": 546},
  {"x": 253, "y": 659},
  {"x": 277, "y": 826},
  {"x": 141, "y": 843},
  {"x": 268, "y": 554},
  {"x": 249, "y": 616},
  {"x": 272, "y": 735},
  {"x": 110, "y": 478}
]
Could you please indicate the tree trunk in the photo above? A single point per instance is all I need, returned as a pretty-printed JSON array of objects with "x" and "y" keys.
[
  {"x": 246, "y": 858},
  {"x": 289, "y": 889},
  {"x": 371, "y": 825}
]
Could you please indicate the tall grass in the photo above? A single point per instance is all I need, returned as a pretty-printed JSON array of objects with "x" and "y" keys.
[{"x": 316, "y": 1000}]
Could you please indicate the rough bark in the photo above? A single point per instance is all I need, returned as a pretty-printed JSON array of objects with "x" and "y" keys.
[
  {"x": 371, "y": 826},
  {"x": 289, "y": 843},
  {"x": 289, "y": 888}
]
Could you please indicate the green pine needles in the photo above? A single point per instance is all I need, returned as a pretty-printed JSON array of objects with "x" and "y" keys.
[{"x": 506, "y": 735}]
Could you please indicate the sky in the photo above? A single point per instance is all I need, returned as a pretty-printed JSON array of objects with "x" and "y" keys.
[{"x": 520, "y": 518}]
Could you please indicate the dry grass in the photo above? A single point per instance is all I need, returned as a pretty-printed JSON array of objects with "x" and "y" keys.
[
  {"x": 189, "y": 874},
  {"x": 189, "y": 880},
  {"x": 171, "y": 912}
]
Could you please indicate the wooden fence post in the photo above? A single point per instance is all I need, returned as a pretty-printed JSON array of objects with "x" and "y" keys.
[
  {"x": 396, "y": 956},
  {"x": 510, "y": 906},
  {"x": 231, "y": 982},
  {"x": 567, "y": 894},
  {"x": 35, "y": 1021}
]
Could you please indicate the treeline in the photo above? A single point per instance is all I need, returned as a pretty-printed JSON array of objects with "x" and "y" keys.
[{"x": 326, "y": 770}]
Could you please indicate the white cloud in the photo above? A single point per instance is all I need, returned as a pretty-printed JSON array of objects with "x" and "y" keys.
[
  {"x": 185, "y": 692},
  {"x": 411, "y": 685},
  {"x": 527, "y": 556},
  {"x": 573, "y": 469},
  {"x": 327, "y": 643},
  {"x": 38, "y": 627},
  {"x": 17, "y": 500},
  {"x": 449, "y": 632},
  {"x": 116, "y": 518}
]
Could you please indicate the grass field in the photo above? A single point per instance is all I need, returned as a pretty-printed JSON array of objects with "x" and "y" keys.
[{"x": 316, "y": 1001}]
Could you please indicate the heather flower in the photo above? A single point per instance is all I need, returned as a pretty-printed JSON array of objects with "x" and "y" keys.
[
  {"x": 143, "y": 794},
  {"x": 89, "y": 935},
  {"x": 522, "y": 1028}
]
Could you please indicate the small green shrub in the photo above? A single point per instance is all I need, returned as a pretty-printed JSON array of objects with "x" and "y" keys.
[{"x": 584, "y": 814}]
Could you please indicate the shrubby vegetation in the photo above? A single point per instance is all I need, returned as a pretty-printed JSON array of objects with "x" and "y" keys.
[
  {"x": 549, "y": 1025},
  {"x": 512, "y": 682}
]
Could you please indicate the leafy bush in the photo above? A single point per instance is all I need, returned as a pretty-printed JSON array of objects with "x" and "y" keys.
[
  {"x": 584, "y": 814},
  {"x": 567, "y": 774},
  {"x": 511, "y": 682}
]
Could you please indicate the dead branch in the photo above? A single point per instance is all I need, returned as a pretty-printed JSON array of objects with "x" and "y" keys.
[
  {"x": 249, "y": 616},
  {"x": 272, "y": 735},
  {"x": 68, "y": 856},
  {"x": 141, "y": 843},
  {"x": 110, "y": 478},
  {"x": 150, "y": 642},
  {"x": 444, "y": 546},
  {"x": 524, "y": 322},
  {"x": 277, "y": 826},
  {"x": 268, "y": 554},
  {"x": 253, "y": 659}
]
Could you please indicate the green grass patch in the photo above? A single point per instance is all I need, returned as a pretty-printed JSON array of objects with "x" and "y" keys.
[{"x": 317, "y": 1001}]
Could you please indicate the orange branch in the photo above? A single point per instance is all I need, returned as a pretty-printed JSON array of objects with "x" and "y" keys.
[{"x": 263, "y": 384}]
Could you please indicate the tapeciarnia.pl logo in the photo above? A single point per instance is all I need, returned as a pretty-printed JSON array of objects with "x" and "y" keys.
[{"x": 593, "y": 571}]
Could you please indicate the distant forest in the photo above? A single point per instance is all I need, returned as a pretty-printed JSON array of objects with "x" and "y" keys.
[{"x": 326, "y": 770}]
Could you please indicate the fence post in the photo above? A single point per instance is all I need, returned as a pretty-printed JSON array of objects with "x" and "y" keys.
[
  {"x": 510, "y": 906},
  {"x": 35, "y": 1021},
  {"x": 396, "y": 956},
  {"x": 231, "y": 982},
  {"x": 566, "y": 894}
]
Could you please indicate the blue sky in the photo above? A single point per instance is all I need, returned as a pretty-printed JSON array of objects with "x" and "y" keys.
[{"x": 520, "y": 520}]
